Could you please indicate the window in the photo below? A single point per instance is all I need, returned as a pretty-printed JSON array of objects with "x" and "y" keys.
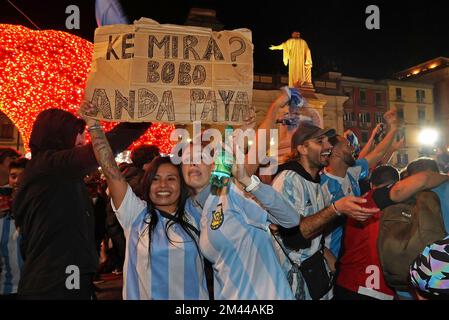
[
  {"x": 379, "y": 117},
  {"x": 349, "y": 116},
  {"x": 422, "y": 114},
  {"x": 379, "y": 101},
  {"x": 420, "y": 96},
  {"x": 348, "y": 92},
  {"x": 349, "y": 119},
  {"x": 400, "y": 112},
  {"x": 398, "y": 93},
  {"x": 365, "y": 137},
  {"x": 362, "y": 97},
  {"x": 364, "y": 117},
  {"x": 401, "y": 134},
  {"x": 364, "y": 120}
]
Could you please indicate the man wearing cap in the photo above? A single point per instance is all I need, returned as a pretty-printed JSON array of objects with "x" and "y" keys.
[
  {"x": 298, "y": 181},
  {"x": 341, "y": 177}
]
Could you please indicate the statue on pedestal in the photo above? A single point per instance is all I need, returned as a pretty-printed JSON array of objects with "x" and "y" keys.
[{"x": 299, "y": 60}]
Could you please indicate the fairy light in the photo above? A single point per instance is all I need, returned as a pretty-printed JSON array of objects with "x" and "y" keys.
[{"x": 48, "y": 69}]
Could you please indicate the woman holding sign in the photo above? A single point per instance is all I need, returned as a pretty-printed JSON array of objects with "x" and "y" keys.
[{"x": 162, "y": 256}]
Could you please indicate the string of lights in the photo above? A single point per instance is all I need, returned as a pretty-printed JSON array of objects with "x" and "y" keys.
[{"x": 48, "y": 69}]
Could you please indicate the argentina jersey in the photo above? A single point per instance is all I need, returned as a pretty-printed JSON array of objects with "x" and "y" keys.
[
  {"x": 10, "y": 258},
  {"x": 335, "y": 188},
  {"x": 173, "y": 271},
  {"x": 236, "y": 239},
  {"x": 307, "y": 198}
]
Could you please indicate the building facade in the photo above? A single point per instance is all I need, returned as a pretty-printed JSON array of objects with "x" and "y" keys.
[
  {"x": 365, "y": 103},
  {"x": 415, "y": 107},
  {"x": 434, "y": 72}
]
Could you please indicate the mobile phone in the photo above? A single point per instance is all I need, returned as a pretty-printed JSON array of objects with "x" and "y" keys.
[
  {"x": 380, "y": 134},
  {"x": 5, "y": 191}
]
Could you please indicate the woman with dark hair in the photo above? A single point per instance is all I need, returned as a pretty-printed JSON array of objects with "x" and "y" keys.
[{"x": 162, "y": 259}]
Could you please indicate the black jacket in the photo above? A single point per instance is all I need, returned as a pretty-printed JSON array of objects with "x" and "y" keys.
[{"x": 53, "y": 209}]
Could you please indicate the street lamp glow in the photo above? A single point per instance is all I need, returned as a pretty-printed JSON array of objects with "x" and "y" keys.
[{"x": 428, "y": 136}]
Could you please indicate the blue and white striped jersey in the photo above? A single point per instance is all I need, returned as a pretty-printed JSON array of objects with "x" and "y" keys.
[
  {"x": 10, "y": 258},
  {"x": 335, "y": 188},
  {"x": 173, "y": 271},
  {"x": 235, "y": 237},
  {"x": 307, "y": 197}
]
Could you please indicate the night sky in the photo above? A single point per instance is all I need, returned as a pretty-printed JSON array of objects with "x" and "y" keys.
[{"x": 335, "y": 30}]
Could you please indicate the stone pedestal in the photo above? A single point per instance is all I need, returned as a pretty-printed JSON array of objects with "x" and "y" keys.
[{"x": 313, "y": 109}]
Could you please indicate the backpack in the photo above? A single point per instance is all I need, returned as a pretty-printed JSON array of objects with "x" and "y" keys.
[{"x": 405, "y": 230}]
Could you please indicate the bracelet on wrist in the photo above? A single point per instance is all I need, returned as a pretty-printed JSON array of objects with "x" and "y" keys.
[
  {"x": 338, "y": 213},
  {"x": 94, "y": 127}
]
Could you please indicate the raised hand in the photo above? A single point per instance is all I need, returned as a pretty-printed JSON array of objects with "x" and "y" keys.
[
  {"x": 376, "y": 130},
  {"x": 238, "y": 168},
  {"x": 87, "y": 108},
  {"x": 398, "y": 144},
  {"x": 391, "y": 118}
]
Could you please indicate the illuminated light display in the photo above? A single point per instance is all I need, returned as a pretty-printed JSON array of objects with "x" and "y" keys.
[{"x": 48, "y": 69}]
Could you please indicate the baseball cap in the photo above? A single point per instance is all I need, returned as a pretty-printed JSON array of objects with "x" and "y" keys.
[{"x": 307, "y": 131}]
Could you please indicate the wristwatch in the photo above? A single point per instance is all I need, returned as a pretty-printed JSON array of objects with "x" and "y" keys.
[{"x": 255, "y": 181}]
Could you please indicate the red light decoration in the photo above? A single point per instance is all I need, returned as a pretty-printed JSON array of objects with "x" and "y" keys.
[{"x": 48, "y": 69}]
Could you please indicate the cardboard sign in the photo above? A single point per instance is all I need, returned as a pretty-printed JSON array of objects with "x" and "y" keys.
[{"x": 172, "y": 74}]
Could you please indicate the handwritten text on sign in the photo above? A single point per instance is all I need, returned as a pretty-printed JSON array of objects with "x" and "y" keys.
[{"x": 173, "y": 74}]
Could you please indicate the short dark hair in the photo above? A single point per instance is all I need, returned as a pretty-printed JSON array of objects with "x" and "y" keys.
[
  {"x": 144, "y": 153},
  {"x": 6, "y": 152},
  {"x": 422, "y": 164},
  {"x": 384, "y": 174},
  {"x": 334, "y": 140},
  {"x": 20, "y": 163}
]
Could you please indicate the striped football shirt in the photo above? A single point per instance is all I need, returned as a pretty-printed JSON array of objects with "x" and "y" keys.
[{"x": 174, "y": 268}]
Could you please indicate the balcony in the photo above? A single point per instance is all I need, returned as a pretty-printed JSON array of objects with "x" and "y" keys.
[
  {"x": 349, "y": 124},
  {"x": 365, "y": 125},
  {"x": 420, "y": 100}
]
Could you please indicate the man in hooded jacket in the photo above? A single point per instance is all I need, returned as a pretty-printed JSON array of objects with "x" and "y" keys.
[{"x": 52, "y": 207}]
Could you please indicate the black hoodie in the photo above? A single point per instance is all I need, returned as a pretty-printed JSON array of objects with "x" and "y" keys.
[{"x": 53, "y": 209}]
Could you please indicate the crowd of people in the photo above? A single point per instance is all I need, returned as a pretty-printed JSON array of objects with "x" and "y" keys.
[{"x": 312, "y": 232}]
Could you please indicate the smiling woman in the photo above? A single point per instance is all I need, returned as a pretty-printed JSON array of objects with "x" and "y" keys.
[
  {"x": 161, "y": 238},
  {"x": 165, "y": 188}
]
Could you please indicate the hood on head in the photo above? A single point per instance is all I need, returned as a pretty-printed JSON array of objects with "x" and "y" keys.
[{"x": 55, "y": 129}]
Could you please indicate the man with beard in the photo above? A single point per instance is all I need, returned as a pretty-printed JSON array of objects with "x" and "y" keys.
[
  {"x": 341, "y": 177},
  {"x": 299, "y": 182}
]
